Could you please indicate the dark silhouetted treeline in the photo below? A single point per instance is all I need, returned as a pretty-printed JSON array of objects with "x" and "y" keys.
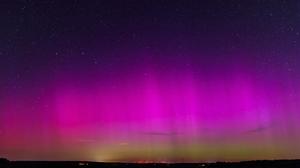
[{"x": 4, "y": 163}]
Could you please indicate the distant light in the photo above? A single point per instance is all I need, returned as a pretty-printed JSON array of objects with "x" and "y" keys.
[{"x": 83, "y": 164}]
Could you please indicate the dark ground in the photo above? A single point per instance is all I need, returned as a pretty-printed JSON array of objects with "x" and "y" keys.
[{"x": 74, "y": 164}]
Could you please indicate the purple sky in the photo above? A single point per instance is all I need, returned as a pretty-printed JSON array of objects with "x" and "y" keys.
[{"x": 170, "y": 81}]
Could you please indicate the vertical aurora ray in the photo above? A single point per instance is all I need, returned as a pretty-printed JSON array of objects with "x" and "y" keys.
[
  {"x": 165, "y": 114},
  {"x": 157, "y": 117}
]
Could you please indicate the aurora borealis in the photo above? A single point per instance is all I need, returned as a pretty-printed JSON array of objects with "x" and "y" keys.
[{"x": 154, "y": 81}]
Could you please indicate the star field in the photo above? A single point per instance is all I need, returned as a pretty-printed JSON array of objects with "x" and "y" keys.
[{"x": 175, "y": 81}]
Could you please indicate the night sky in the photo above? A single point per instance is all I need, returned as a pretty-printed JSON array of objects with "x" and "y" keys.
[{"x": 150, "y": 80}]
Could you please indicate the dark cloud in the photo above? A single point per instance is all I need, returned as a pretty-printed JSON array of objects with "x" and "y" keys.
[{"x": 161, "y": 133}]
